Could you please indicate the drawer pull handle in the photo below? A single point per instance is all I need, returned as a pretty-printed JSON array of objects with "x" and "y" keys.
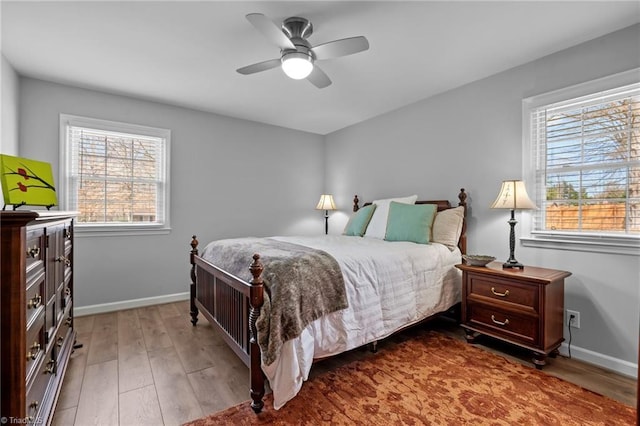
[
  {"x": 68, "y": 321},
  {"x": 33, "y": 351},
  {"x": 51, "y": 367},
  {"x": 67, "y": 234},
  {"x": 33, "y": 251},
  {"x": 505, "y": 294},
  {"x": 35, "y": 302},
  {"x": 67, "y": 291},
  {"x": 33, "y": 407},
  {"x": 60, "y": 341},
  {"x": 64, "y": 259},
  {"x": 495, "y": 321}
]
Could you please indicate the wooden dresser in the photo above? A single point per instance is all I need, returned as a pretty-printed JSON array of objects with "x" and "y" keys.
[
  {"x": 524, "y": 307},
  {"x": 36, "y": 310}
]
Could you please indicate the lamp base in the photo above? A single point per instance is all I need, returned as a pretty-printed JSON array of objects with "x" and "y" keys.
[
  {"x": 326, "y": 222},
  {"x": 510, "y": 264}
]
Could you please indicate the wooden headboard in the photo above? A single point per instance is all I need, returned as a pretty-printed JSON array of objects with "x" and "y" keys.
[{"x": 442, "y": 205}]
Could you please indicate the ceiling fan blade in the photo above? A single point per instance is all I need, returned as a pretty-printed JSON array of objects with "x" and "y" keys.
[
  {"x": 318, "y": 78},
  {"x": 342, "y": 47},
  {"x": 260, "y": 66},
  {"x": 270, "y": 30}
]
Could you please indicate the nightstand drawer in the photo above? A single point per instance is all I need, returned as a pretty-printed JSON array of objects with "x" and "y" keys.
[
  {"x": 503, "y": 323},
  {"x": 503, "y": 291}
]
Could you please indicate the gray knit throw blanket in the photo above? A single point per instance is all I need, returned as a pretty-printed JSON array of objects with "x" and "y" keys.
[{"x": 302, "y": 284}]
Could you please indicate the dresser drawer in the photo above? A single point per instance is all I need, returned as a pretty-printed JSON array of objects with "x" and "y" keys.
[
  {"x": 527, "y": 296},
  {"x": 50, "y": 320},
  {"x": 64, "y": 293},
  {"x": 35, "y": 344},
  {"x": 35, "y": 297},
  {"x": 62, "y": 340},
  {"x": 512, "y": 325},
  {"x": 38, "y": 388},
  {"x": 34, "y": 255},
  {"x": 68, "y": 234},
  {"x": 66, "y": 260}
]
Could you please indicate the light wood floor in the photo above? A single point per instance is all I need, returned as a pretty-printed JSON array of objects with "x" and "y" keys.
[{"x": 150, "y": 366}]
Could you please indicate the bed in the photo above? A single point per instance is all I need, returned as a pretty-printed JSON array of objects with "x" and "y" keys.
[{"x": 362, "y": 310}]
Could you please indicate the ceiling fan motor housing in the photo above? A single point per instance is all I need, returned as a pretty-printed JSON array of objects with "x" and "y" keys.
[{"x": 298, "y": 29}]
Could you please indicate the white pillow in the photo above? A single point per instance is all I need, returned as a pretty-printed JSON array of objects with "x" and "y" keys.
[
  {"x": 447, "y": 227},
  {"x": 378, "y": 225}
]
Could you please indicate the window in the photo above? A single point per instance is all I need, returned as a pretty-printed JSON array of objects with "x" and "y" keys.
[
  {"x": 584, "y": 156},
  {"x": 115, "y": 175}
]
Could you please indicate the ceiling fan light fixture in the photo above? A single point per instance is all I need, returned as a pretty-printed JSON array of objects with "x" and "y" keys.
[
  {"x": 297, "y": 55},
  {"x": 297, "y": 65}
]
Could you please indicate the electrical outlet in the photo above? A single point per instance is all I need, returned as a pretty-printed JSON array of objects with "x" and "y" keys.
[{"x": 575, "y": 321}]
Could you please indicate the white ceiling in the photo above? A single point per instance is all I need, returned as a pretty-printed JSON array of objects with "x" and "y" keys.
[{"x": 186, "y": 53}]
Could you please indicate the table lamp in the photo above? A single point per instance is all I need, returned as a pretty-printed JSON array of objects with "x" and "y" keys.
[
  {"x": 513, "y": 195},
  {"x": 326, "y": 203}
]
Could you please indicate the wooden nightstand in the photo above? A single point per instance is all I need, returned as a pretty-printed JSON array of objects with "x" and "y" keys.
[{"x": 524, "y": 307}]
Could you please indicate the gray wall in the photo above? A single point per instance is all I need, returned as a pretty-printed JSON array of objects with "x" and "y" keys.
[
  {"x": 229, "y": 177},
  {"x": 471, "y": 137},
  {"x": 9, "y": 102},
  {"x": 9, "y": 109}
]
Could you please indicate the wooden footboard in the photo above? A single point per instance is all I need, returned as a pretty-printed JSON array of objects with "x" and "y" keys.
[{"x": 233, "y": 305}]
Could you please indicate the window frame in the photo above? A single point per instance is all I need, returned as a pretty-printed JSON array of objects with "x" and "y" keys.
[
  {"x": 582, "y": 241},
  {"x": 106, "y": 229}
]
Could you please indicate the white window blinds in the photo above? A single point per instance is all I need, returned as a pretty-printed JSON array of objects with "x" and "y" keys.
[
  {"x": 587, "y": 163},
  {"x": 114, "y": 177}
]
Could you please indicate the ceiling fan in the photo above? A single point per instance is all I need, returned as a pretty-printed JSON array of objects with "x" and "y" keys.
[{"x": 297, "y": 55}]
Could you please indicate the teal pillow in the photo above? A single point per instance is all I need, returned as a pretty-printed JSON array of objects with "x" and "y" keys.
[
  {"x": 358, "y": 222},
  {"x": 410, "y": 222}
]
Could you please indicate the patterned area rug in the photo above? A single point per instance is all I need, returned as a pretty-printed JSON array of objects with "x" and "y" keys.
[{"x": 434, "y": 380}]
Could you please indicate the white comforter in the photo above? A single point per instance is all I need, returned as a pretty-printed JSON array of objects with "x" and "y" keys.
[{"x": 389, "y": 286}]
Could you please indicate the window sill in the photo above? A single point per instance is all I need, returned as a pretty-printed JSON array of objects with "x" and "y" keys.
[
  {"x": 117, "y": 231},
  {"x": 626, "y": 246}
]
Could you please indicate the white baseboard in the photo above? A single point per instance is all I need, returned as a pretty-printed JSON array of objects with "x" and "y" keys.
[
  {"x": 129, "y": 304},
  {"x": 620, "y": 366}
]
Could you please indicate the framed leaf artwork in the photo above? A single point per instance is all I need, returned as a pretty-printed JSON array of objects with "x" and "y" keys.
[{"x": 27, "y": 182}]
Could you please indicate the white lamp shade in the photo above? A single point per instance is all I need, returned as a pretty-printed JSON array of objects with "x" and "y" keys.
[
  {"x": 513, "y": 195},
  {"x": 326, "y": 202},
  {"x": 297, "y": 65}
]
